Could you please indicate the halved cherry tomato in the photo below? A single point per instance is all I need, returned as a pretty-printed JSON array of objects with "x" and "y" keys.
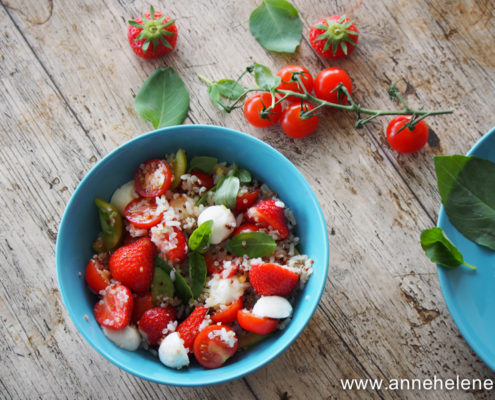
[
  {"x": 205, "y": 179},
  {"x": 293, "y": 125},
  {"x": 327, "y": 80},
  {"x": 142, "y": 303},
  {"x": 246, "y": 200},
  {"x": 115, "y": 308},
  {"x": 246, "y": 228},
  {"x": 286, "y": 74},
  {"x": 142, "y": 213},
  {"x": 229, "y": 314},
  {"x": 175, "y": 248},
  {"x": 210, "y": 348},
  {"x": 213, "y": 266},
  {"x": 252, "y": 323},
  {"x": 97, "y": 276},
  {"x": 406, "y": 141},
  {"x": 257, "y": 103},
  {"x": 152, "y": 178}
]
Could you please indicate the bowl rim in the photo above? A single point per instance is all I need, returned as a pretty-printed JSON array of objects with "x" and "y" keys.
[{"x": 284, "y": 341}]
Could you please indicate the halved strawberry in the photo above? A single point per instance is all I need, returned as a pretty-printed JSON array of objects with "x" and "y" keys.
[
  {"x": 189, "y": 328},
  {"x": 154, "y": 322},
  {"x": 115, "y": 307},
  {"x": 132, "y": 265},
  {"x": 272, "y": 279},
  {"x": 269, "y": 214}
]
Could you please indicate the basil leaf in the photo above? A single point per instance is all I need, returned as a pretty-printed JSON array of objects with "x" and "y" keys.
[
  {"x": 230, "y": 89},
  {"x": 182, "y": 288},
  {"x": 252, "y": 244},
  {"x": 162, "y": 264},
  {"x": 226, "y": 193},
  {"x": 203, "y": 164},
  {"x": 197, "y": 273},
  {"x": 163, "y": 99},
  {"x": 439, "y": 249},
  {"x": 200, "y": 239},
  {"x": 467, "y": 188},
  {"x": 276, "y": 25},
  {"x": 244, "y": 175},
  {"x": 264, "y": 77}
]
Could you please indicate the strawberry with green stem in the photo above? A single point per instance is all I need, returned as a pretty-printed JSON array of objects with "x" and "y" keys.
[
  {"x": 152, "y": 35},
  {"x": 334, "y": 37}
]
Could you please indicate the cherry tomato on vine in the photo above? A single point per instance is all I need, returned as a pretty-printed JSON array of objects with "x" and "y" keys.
[
  {"x": 327, "y": 80},
  {"x": 334, "y": 37},
  {"x": 406, "y": 141},
  {"x": 293, "y": 125},
  {"x": 257, "y": 103},
  {"x": 287, "y": 83}
]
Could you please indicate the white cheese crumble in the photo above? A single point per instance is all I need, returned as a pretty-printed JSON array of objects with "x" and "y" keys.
[
  {"x": 127, "y": 338},
  {"x": 228, "y": 337},
  {"x": 224, "y": 222},
  {"x": 272, "y": 307},
  {"x": 172, "y": 352},
  {"x": 223, "y": 291}
]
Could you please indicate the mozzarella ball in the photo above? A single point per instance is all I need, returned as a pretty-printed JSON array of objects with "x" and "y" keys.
[
  {"x": 127, "y": 338},
  {"x": 172, "y": 352},
  {"x": 272, "y": 307},
  {"x": 223, "y": 222}
]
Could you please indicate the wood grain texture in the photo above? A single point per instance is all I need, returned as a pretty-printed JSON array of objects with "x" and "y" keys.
[{"x": 68, "y": 80}]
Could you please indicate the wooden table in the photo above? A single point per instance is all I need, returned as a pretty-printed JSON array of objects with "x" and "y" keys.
[{"x": 68, "y": 81}]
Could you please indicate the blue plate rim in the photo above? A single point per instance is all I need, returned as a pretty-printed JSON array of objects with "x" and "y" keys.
[
  {"x": 288, "y": 339},
  {"x": 443, "y": 279}
]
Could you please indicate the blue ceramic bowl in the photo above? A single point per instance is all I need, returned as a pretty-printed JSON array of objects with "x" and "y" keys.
[{"x": 80, "y": 226}]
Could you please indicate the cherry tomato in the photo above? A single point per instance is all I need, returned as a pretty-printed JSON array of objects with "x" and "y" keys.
[
  {"x": 152, "y": 178},
  {"x": 142, "y": 303},
  {"x": 293, "y": 125},
  {"x": 406, "y": 141},
  {"x": 327, "y": 80},
  {"x": 246, "y": 228},
  {"x": 229, "y": 314},
  {"x": 286, "y": 74},
  {"x": 252, "y": 323},
  {"x": 214, "y": 266},
  {"x": 205, "y": 179},
  {"x": 246, "y": 200},
  {"x": 257, "y": 103},
  {"x": 334, "y": 37},
  {"x": 142, "y": 213},
  {"x": 97, "y": 276},
  {"x": 115, "y": 308},
  {"x": 210, "y": 347},
  {"x": 177, "y": 254}
]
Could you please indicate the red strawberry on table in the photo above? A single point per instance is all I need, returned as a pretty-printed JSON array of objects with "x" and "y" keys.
[
  {"x": 269, "y": 214},
  {"x": 189, "y": 328},
  {"x": 115, "y": 307},
  {"x": 272, "y": 279},
  {"x": 152, "y": 36},
  {"x": 154, "y": 322},
  {"x": 132, "y": 265}
]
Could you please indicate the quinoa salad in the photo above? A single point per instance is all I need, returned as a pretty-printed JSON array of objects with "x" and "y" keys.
[{"x": 195, "y": 260}]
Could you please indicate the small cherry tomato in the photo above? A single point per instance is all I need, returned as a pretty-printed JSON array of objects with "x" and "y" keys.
[
  {"x": 327, "y": 80},
  {"x": 246, "y": 200},
  {"x": 115, "y": 307},
  {"x": 286, "y": 74},
  {"x": 143, "y": 213},
  {"x": 246, "y": 228},
  {"x": 214, "y": 345},
  {"x": 293, "y": 125},
  {"x": 229, "y": 314},
  {"x": 406, "y": 141},
  {"x": 252, "y": 323},
  {"x": 258, "y": 103},
  {"x": 152, "y": 178},
  {"x": 205, "y": 179},
  {"x": 97, "y": 276},
  {"x": 177, "y": 254},
  {"x": 334, "y": 37}
]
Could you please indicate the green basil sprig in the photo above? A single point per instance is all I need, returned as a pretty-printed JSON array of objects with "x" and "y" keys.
[
  {"x": 441, "y": 250},
  {"x": 203, "y": 164},
  {"x": 197, "y": 273},
  {"x": 200, "y": 238},
  {"x": 226, "y": 193},
  {"x": 252, "y": 244},
  {"x": 276, "y": 25},
  {"x": 163, "y": 99}
]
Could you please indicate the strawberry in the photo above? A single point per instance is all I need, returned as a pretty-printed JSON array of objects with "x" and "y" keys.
[
  {"x": 269, "y": 214},
  {"x": 97, "y": 275},
  {"x": 246, "y": 200},
  {"x": 153, "y": 35},
  {"x": 272, "y": 279},
  {"x": 115, "y": 307},
  {"x": 153, "y": 324},
  {"x": 132, "y": 265},
  {"x": 189, "y": 328},
  {"x": 142, "y": 303}
]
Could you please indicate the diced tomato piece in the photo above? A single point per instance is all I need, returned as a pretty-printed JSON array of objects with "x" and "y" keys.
[
  {"x": 246, "y": 200},
  {"x": 152, "y": 178},
  {"x": 143, "y": 213},
  {"x": 205, "y": 179},
  {"x": 246, "y": 228},
  {"x": 252, "y": 323},
  {"x": 229, "y": 314},
  {"x": 115, "y": 307},
  {"x": 142, "y": 303},
  {"x": 214, "y": 345},
  {"x": 97, "y": 276}
]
